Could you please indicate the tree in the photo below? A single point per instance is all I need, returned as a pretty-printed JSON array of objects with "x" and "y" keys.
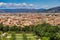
[
  {"x": 27, "y": 29},
  {"x": 46, "y": 30},
  {"x": 5, "y": 28},
  {"x": 13, "y": 28},
  {"x": 1, "y": 26}
]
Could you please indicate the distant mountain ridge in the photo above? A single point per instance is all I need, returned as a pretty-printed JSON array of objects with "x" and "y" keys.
[
  {"x": 54, "y": 10},
  {"x": 51, "y": 10},
  {"x": 20, "y": 10}
]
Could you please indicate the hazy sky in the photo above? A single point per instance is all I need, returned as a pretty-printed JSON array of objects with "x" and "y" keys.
[{"x": 29, "y": 3}]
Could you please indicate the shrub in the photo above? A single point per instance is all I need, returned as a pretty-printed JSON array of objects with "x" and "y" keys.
[
  {"x": 24, "y": 36},
  {"x": 13, "y": 36},
  {"x": 45, "y": 38}
]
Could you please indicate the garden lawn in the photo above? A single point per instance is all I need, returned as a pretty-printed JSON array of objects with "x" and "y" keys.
[{"x": 20, "y": 36}]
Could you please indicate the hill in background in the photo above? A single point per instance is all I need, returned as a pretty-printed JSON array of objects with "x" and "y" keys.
[{"x": 51, "y": 10}]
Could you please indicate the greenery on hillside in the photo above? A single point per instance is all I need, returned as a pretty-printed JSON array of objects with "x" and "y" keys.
[{"x": 42, "y": 31}]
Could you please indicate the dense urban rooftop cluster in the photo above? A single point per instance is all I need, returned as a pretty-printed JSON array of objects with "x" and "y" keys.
[{"x": 26, "y": 19}]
